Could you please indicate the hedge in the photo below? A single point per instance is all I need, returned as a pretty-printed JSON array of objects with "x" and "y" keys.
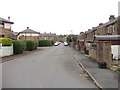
[
  {"x": 6, "y": 41},
  {"x": 118, "y": 69},
  {"x": 45, "y": 42},
  {"x": 18, "y": 46},
  {"x": 31, "y": 45}
]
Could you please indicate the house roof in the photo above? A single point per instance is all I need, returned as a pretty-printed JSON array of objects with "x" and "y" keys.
[
  {"x": 15, "y": 33},
  {"x": 109, "y": 23},
  {"x": 4, "y": 20},
  {"x": 48, "y": 34},
  {"x": 107, "y": 37},
  {"x": 28, "y": 31}
]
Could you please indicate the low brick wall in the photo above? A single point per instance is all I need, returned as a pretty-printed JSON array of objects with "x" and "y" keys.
[{"x": 6, "y": 50}]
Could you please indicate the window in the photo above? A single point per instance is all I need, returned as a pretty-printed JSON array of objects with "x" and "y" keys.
[
  {"x": 108, "y": 30},
  {"x": 113, "y": 28}
]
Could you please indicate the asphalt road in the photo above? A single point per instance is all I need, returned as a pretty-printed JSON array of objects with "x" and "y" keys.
[{"x": 52, "y": 67}]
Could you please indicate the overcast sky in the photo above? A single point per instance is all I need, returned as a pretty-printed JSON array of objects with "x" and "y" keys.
[{"x": 58, "y": 16}]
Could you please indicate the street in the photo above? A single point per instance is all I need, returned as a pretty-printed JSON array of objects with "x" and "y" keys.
[{"x": 52, "y": 67}]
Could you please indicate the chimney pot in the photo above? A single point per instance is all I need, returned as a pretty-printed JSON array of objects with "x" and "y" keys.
[
  {"x": 27, "y": 27},
  {"x": 8, "y": 17}
]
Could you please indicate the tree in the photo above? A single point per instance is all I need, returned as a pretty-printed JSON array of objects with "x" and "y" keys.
[{"x": 72, "y": 38}]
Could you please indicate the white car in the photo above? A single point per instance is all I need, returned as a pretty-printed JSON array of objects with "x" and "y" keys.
[
  {"x": 56, "y": 44},
  {"x": 65, "y": 44}
]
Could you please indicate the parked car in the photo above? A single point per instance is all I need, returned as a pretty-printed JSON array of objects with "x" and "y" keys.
[
  {"x": 65, "y": 44},
  {"x": 56, "y": 44}
]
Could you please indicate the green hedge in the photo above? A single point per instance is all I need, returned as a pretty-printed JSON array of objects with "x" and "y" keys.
[
  {"x": 45, "y": 42},
  {"x": 18, "y": 46},
  {"x": 31, "y": 45},
  {"x": 118, "y": 69},
  {"x": 6, "y": 41}
]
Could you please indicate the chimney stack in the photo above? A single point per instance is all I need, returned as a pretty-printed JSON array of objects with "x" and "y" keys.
[
  {"x": 93, "y": 27},
  {"x": 100, "y": 24},
  {"x": 81, "y": 32},
  {"x": 89, "y": 29},
  {"x": 112, "y": 17},
  {"x": 27, "y": 27}
]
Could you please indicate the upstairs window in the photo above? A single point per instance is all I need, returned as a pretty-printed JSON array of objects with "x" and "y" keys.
[{"x": 113, "y": 28}]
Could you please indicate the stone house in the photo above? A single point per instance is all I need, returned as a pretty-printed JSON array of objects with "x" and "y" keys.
[
  {"x": 50, "y": 35},
  {"x": 91, "y": 43},
  {"x": 108, "y": 47},
  {"x": 109, "y": 28},
  {"x": 5, "y": 28},
  {"x": 102, "y": 41},
  {"x": 81, "y": 40},
  {"x": 28, "y": 34}
]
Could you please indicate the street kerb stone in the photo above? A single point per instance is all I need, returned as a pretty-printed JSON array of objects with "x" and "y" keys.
[{"x": 94, "y": 80}]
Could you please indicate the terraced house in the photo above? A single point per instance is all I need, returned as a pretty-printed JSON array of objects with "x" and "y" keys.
[
  {"x": 102, "y": 42},
  {"x": 50, "y": 35},
  {"x": 5, "y": 28}
]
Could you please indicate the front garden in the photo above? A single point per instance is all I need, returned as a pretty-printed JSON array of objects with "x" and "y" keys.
[{"x": 10, "y": 47}]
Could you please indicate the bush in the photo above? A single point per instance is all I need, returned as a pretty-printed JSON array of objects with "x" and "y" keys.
[
  {"x": 36, "y": 44},
  {"x": 6, "y": 41},
  {"x": 45, "y": 42},
  {"x": 18, "y": 46},
  {"x": 118, "y": 69},
  {"x": 31, "y": 45}
]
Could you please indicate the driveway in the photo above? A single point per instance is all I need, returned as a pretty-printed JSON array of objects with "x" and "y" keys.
[{"x": 52, "y": 67}]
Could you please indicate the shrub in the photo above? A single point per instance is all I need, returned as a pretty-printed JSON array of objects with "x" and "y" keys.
[
  {"x": 31, "y": 45},
  {"x": 6, "y": 41},
  {"x": 45, "y": 42},
  {"x": 18, "y": 46},
  {"x": 118, "y": 69},
  {"x": 36, "y": 44}
]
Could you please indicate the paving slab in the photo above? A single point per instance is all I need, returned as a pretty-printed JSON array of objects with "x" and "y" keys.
[{"x": 105, "y": 77}]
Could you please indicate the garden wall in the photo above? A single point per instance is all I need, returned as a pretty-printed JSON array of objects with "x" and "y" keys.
[{"x": 6, "y": 50}]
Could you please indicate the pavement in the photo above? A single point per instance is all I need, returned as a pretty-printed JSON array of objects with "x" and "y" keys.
[
  {"x": 105, "y": 77},
  {"x": 51, "y": 67}
]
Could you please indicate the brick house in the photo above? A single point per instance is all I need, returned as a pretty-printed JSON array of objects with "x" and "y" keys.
[
  {"x": 5, "y": 28},
  {"x": 112, "y": 39},
  {"x": 50, "y": 35},
  {"x": 109, "y": 28},
  {"x": 103, "y": 39},
  {"x": 28, "y": 34}
]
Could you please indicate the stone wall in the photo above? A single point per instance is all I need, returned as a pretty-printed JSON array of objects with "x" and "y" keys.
[
  {"x": 93, "y": 53},
  {"x": 107, "y": 55},
  {"x": 100, "y": 31},
  {"x": 104, "y": 52}
]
